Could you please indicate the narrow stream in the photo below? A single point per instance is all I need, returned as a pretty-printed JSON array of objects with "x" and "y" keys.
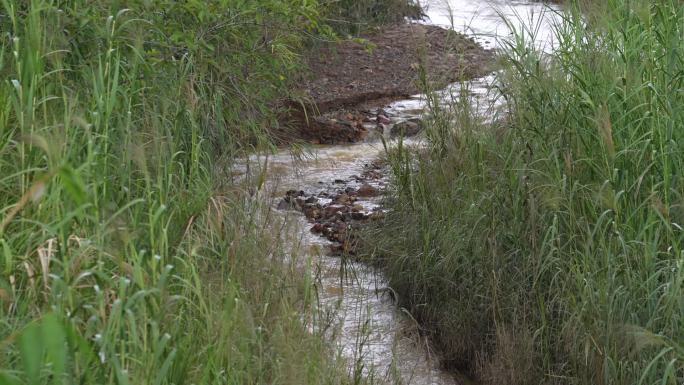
[{"x": 376, "y": 338}]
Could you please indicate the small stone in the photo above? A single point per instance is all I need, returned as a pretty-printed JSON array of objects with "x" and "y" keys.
[
  {"x": 317, "y": 228},
  {"x": 337, "y": 248},
  {"x": 377, "y": 215},
  {"x": 367, "y": 190},
  {"x": 343, "y": 199},
  {"x": 283, "y": 205},
  {"x": 332, "y": 210},
  {"x": 294, "y": 193},
  {"x": 407, "y": 128},
  {"x": 358, "y": 216},
  {"x": 312, "y": 212}
]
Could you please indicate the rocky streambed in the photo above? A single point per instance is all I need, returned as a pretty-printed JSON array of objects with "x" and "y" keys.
[
  {"x": 360, "y": 92},
  {"x": 337, "y": 211}
]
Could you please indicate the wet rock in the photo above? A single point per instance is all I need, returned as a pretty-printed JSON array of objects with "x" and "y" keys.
[
  {"x": 408, "y": 128},
  {"x": 312, "y": 212},
  {"x": 295, "y": 193},
  {"x": 343, "y": 199},
  {"x": 317, "y": 228},
  {"x": 298, "y": 200},
  {"x": 339, "y": 230},
  {"x": 377, "y": 215},
  {"x": 358, "y": 216},
  {"x": 284, "y": 205},
  {"x": 345, "y": 247},
  {"x": 326, "y": 230},
  {"x": 332, "y": 210},
  {"x": 367, "y": 190},
  {"x": 326, "y": 130},
  {"x": 337, "y": 248}
]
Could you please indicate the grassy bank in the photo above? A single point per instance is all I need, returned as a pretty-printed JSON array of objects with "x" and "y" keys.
[
  {"x": 127, "y": 254},
  {"x": 356, "y": 16},
  {"x": 547, "y": 247}
]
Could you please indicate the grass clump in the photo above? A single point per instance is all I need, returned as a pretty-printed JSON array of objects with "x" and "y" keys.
[
  {"x": 357, "y": 16},
  {"x": 547, "y": 247},
  {"x": 126, "y": 256}
]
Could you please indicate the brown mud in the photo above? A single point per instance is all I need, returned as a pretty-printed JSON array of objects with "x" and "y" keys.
[{"x": 349, "y": 79}]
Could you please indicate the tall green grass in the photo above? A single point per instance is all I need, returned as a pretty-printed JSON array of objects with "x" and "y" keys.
[
  {"x": 126, "y": 255},
  {"x": 547, "y": 247}
]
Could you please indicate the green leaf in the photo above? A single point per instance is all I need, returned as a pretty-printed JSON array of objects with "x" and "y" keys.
[
  {"x": 73, "y": 184},
  {"x": 83, "y": 352},
  {"x": 162, "y": 373},
  {"x": 7, "y": 379},
  {"x": 31, "y": 349},
  {"x": 55, "y": 344},
  {"x": 6, "y": 257}
]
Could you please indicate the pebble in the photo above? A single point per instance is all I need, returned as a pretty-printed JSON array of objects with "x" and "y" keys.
[
  {"x": 337, "y": 219},
  {"x": 367, "y": 190}
]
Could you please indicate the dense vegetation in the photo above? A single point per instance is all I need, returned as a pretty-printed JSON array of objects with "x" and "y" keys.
[
  {"x": 127, "y": 254},
  {"x": 355, "y": 16},
  {"x": 548, "y": 247}
]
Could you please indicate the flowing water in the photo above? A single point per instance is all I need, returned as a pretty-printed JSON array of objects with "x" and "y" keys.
[
  {"x": 489, "y": 22},
  {"x": 374, "y": 336}
]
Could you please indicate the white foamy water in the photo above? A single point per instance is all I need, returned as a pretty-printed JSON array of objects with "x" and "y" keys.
[{"x": 490, "y": 22}]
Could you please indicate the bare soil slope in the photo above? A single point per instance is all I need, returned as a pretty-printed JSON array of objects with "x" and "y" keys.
[{"x": 348, "y": 78}]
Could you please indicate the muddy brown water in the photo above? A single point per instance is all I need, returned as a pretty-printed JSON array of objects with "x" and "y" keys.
[{"x": 377, "y": 339}]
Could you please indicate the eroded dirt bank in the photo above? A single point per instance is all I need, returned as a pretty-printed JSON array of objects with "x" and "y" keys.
[{"x": 349, "y": 79}]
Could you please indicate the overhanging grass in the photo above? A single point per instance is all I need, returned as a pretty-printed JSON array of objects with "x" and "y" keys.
[
  {"x": 547, "y": 248},
  {"x": 123, "y": 259}
]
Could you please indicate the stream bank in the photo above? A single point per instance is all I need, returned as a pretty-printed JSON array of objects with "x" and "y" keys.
[
  {"x": 347, "y": 81},
  {"x": 321, "y": 192},
  {"x": 534, "y": 251}
]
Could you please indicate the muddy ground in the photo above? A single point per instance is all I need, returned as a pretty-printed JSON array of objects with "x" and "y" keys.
[
  {"x": 345, "y": 91},
  {"x": 348, "y": 80}
]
